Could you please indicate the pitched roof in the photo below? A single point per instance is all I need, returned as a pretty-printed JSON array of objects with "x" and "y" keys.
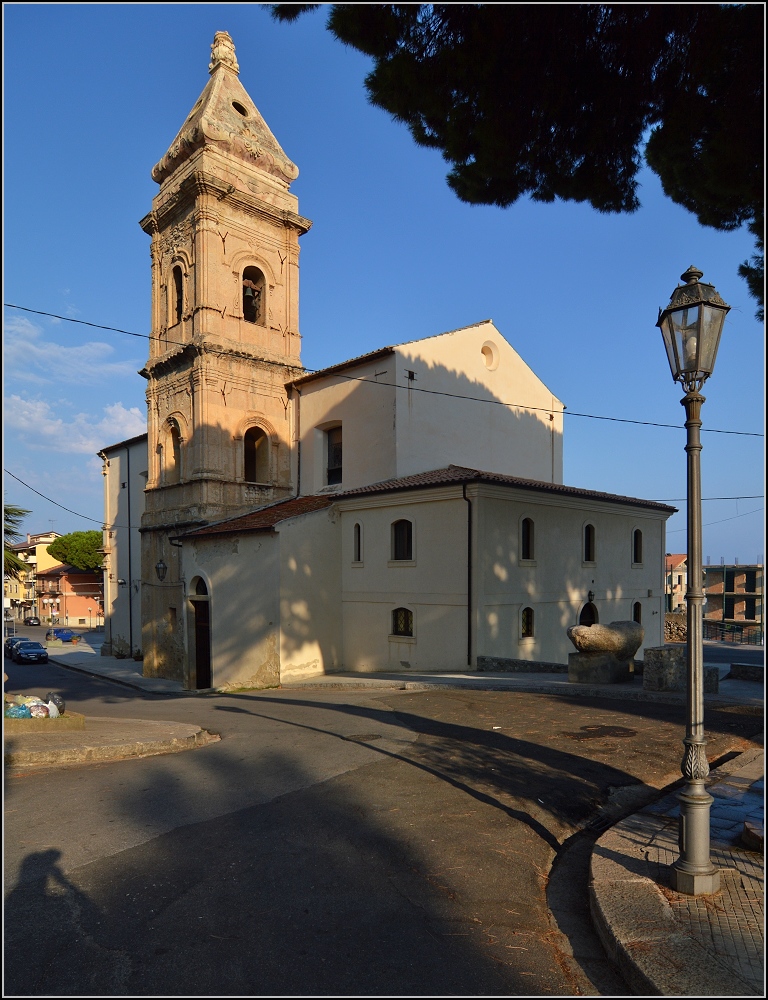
[
  {"x": 456, "y": 474},
  {"x": 361, "y": 359},
  {"x": 264, "y": 518}
]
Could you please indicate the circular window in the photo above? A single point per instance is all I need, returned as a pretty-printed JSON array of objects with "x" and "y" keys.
[
  {"x": 239, "y": 109},
  {"x": 490, "y": 355}
]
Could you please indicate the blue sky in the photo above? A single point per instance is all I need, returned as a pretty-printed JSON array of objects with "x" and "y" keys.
[{"x": 93, "y": 96}]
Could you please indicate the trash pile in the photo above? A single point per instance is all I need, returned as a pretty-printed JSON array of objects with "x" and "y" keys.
[{"x": 23, "y": 706}]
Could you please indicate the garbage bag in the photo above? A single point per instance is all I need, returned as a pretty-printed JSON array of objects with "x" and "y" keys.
[
  {"x": 18, "y": 712},
  {"x": 57, "y": 700},
  {"x": 53, "y": 711},
  {"x": 38, "y": 711}
]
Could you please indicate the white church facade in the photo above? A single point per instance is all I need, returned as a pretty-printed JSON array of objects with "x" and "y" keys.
[{"x": 404, "y": 510}]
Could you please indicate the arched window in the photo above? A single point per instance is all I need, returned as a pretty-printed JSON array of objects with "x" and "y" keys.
[
  {"x": 402, "y": 622},
  {"x": 526, "y": 539},
  {"x": 255, "y": 456},
  {"x": 253, "y": 296},
  {"x": 637, "y": 546},
  {"x": 526, "y": 623},
  {"x": 178, "y": 296},
  {"x": 172, "y": 454},
  {"x": 637, "y": 612},
  {"x": 357, "y": 544},
  {"x": 589, "y": 543},
  {"x": 588, "y": 615},
  {"x": 200, "y": 588},
  {"x": 402, "y": 540}
]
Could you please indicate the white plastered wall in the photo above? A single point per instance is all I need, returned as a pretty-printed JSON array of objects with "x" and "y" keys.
[
  {"x": 310, "y": 595},
  {"x": 555, "y": 584},
  {"x": 433, "y": 585},
  {"x": 434, "y": 431},
  {"x": 366, "y": 413},
  {"x": 242, "y": 574}
]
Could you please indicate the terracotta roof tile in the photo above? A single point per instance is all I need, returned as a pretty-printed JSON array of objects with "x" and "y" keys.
[
  {"x": 264, "y": 518},
  {"x": 461, "y": 474}
]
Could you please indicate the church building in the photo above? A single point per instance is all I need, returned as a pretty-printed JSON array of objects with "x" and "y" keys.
[{"x": 404, "y": 510}]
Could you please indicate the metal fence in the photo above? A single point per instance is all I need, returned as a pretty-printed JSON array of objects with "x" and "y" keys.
[{"x": 734, "y": 632}]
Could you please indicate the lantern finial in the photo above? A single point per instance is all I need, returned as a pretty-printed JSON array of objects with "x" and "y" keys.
[{"x": 692, "y": 275}]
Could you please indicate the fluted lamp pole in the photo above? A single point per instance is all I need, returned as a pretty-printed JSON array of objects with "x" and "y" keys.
[{"x": 691, "y": 326}]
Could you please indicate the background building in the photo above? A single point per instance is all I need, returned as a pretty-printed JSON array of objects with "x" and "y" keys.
[
  {"x": 675, "y": 580},
  {"x": 20, "y": 598},
  {"x": 734, "y": 596}
]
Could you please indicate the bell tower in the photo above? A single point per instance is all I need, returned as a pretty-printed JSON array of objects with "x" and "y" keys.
[{"x": 225, "y": 336}]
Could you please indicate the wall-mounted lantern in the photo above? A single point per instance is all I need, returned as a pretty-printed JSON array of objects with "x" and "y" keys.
[{"x": 161, "y": 569}]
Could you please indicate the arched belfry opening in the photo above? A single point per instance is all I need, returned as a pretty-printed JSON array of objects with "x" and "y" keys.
[{"x": 253, "y": 296}]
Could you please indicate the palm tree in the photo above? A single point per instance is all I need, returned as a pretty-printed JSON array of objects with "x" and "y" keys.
[{"x": 12, "y": 518}]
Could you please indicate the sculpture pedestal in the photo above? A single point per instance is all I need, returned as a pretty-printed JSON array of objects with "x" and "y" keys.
[{"x": 598, "y": 668}]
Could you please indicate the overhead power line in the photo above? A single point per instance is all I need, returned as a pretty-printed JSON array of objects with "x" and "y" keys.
[
  {"x": 87, "y": 518},
  {"x": 410, "y": 387}
]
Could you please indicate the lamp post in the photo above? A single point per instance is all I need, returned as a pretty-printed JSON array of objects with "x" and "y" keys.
[
  {"x": 90, "y": 624},
  {"x": 691, "y": 326}
]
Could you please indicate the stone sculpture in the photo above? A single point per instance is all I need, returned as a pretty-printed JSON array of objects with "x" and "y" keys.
[
  {"x": 622, "y": 639},
  {"x": 605, "y": 652}
]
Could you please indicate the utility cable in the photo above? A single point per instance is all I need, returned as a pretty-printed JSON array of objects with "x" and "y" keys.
[{"x": 395, "y": 385}]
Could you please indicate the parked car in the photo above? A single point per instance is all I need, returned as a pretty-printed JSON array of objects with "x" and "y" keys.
[
  {"x": 11, "y": 641},
  {"x": 32, "y": 620},
  {"x": 64, "y": 634},
  {"x": 29, "y": 652}
]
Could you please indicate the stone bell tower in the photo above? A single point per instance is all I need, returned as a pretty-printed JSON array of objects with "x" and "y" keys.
[{"x": 225, "y": 337}]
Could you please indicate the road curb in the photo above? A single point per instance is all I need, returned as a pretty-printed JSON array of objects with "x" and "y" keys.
[{"x": 92, "y": 747}]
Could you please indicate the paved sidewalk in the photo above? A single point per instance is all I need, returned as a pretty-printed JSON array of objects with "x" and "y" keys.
[{"x": 664, "y": 943}]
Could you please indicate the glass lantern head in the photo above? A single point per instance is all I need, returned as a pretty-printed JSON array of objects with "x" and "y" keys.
[{"x": 691, "y": 326}]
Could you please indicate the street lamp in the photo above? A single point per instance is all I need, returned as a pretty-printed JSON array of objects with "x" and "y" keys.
[
  {"x": 161, "y": 569},
  {"x": 691, "y": 326},
  {"x": 90, "y": 624}
]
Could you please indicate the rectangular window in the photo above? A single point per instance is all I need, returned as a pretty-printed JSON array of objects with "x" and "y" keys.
[
  {"x": 730, "y": 581},
  {"x": 728, "y": 607},
  {"x": 334, "y": 455},
  {"x": 750, "y": 581},
  {"x": 750, "y": 607}
]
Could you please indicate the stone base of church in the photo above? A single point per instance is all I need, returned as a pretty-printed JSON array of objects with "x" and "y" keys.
[{"x": 598, "y": 668}]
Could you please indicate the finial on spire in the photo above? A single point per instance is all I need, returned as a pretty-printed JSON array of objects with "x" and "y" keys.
[{"x": 223, "y": 52}]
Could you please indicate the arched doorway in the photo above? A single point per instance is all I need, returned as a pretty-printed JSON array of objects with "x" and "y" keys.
[
  {"x": 202, "y": 610},
  {"x": 588, "y": 614}
]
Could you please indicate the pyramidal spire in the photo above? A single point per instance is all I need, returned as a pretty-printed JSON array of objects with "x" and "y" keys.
[{"x": 224, "y": 118}]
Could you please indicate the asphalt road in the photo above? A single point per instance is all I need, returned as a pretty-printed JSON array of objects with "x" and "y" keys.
[{"x": 341, "y": 843}]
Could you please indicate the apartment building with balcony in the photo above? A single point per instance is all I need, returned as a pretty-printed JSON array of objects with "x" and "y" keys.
[{"x": 20, "y": 597}]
